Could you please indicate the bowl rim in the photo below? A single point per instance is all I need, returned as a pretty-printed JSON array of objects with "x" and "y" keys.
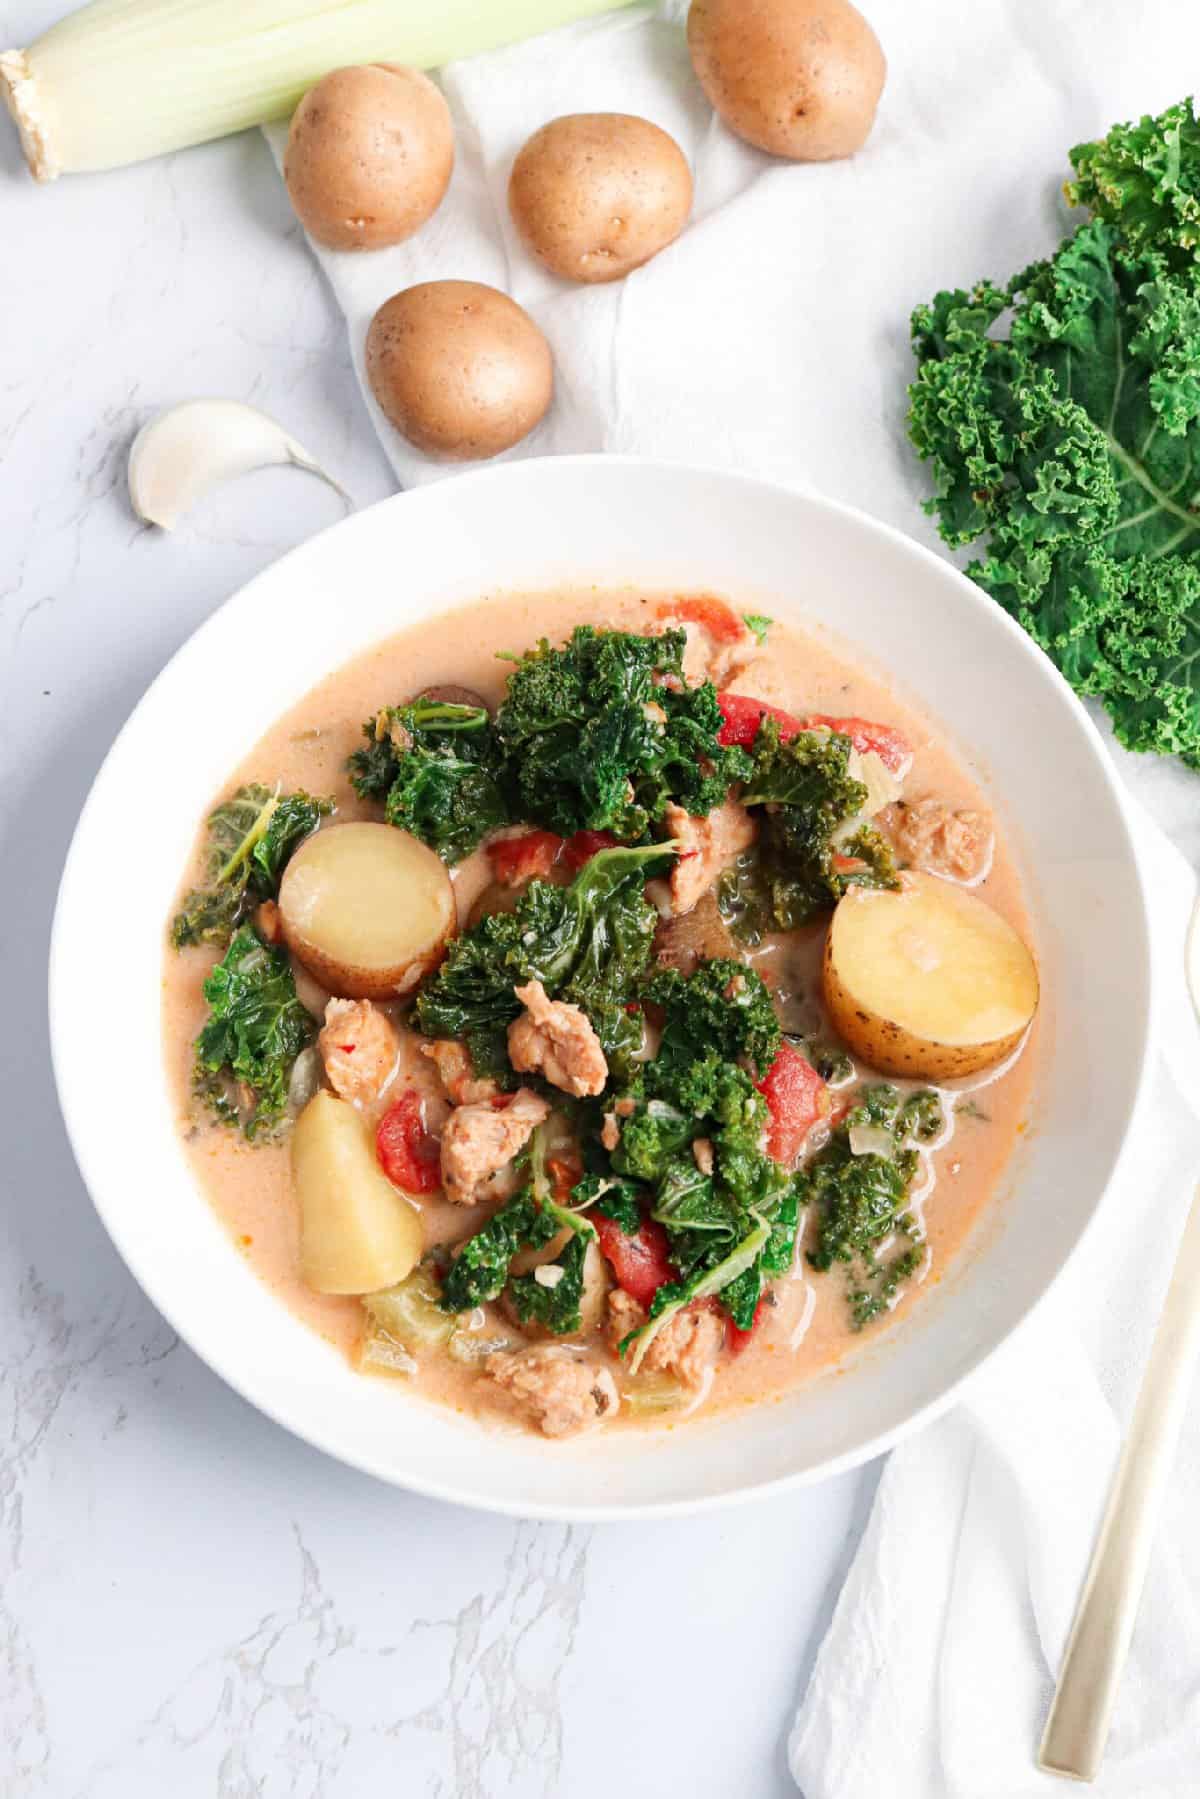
[{"x": 292, "y": 1419}]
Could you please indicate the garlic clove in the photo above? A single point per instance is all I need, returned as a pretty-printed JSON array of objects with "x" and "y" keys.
[{"x": 184, "y": 452}]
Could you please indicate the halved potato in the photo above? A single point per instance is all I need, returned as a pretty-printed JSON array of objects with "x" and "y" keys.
[
  {"x": 357, "y": 1234},
  {"x": 367, "y": 909},
  {"x": 929, "y": 981}
]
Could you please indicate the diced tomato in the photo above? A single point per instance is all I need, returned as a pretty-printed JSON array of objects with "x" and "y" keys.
[
  {"x": 564, "y": 1174},
  {"x": 893, "y": 750},
  {"x": 516, "y": 860},
  {"x": 408, "y": 1153},
  {"x": 847, "y": 865},
  {"x": 579, "y": 850},
  {"x": 797, "y": 1098},
  {"x": 714, "y": 616},
  {"x": 743, "y": 716},
  {"x": 642, "y": 1263},
  {"x": 736, "y": 1338}
]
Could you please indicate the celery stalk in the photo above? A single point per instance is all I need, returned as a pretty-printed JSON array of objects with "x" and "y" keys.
[{"x": 122, "y": 80}]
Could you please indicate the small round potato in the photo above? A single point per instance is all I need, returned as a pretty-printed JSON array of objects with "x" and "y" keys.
[
  {"x": 596, "y": 194},
  {"x": 927, "y": 982},
  {"x": 367, "y": 909},
  {"x": 368, "y": 156},
  {"x": 459, "y": 369},
  {"x": 799, "y": 78}
]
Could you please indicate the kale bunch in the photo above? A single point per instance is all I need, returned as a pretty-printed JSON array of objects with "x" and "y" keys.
[
  {"x": 531, "y": 1220},
  {"x": 859, "y": 1201},
  {"x": 594, "y": 741},
  {"x": 251, "y": 838},
  {"x": 803, "y": 861},
  {"x": 588, "y": 943},
  {"x": 255, "y": 1031},
  {"x": 436, "y": 767},
  {"x": 1061, "y": 415}
]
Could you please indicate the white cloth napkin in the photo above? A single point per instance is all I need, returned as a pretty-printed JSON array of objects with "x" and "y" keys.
[{"x": 774, "y": 336}]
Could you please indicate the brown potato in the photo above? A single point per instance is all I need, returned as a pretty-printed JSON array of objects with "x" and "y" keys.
[
  {"x": 357, "y": 1233},
  {"x": 929, "y": 981},
  {"x": 459, "y": 369},
  {"x": 368, "y": 156},
  {"x": 367, "y": 909},
  {"x": 596, "y": 194},
  {"x": 800, "y": 78}
]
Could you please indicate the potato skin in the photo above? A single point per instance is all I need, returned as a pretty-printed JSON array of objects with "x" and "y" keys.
[
  {"x": 336, "y": 972},
  {"x": 798, "y": 78},
  {"x": 594, "y": 195},
  {"x": 369, "y": 156},
  {"x": 459, "y": 369}
]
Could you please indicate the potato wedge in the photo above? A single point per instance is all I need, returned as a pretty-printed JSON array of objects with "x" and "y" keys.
[
  {"x": 357, "y": 1233},
  {"x": 367, "y": 909},
  {"x": 929, "y": 981}
]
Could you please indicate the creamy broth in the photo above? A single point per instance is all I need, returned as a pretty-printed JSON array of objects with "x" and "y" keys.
[{"x": 809, "y": 1329}]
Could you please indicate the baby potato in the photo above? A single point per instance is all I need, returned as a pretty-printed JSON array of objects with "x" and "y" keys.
[
  {"x": 459, "y": 369},
  {"x": 368, "y": 156},
  {"x": 800, "y": 78},
  {"x": 367, "y": 909},
  {"x": 357, "y": 1233},
  {"x": 928, "y": 981},
  {"x": 596, "y": 194}
]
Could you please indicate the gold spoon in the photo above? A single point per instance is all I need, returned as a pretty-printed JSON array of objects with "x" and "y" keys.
[{"x": 1077, "y": 1727}]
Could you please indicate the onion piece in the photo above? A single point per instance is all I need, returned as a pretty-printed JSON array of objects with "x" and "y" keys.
[{"x": 871, "y": 1140}]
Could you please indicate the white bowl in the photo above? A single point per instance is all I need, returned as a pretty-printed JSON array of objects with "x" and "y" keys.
[{"x": 610, "y": 521}]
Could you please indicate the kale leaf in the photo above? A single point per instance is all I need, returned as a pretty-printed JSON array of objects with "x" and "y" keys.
[
  {"x": 436, "y": 767},
  {"x": 255, "y": 1030},
  {"x": 481, "y": 1270},
  {"x": 724, "y": 1007},
  {"x": 1069, "y": 437},
  {"x": 587, "y": 943},
  {"x": 803, "y": 861},
  {"x": 695, "y": 1136},
  {"x": 593, "y": 741},
  {"x": 859, "y": 1201},
  {"x": 251, "y": 838}
]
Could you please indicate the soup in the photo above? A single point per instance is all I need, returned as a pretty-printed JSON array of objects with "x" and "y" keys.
[{"x": 631, "y": 1027}]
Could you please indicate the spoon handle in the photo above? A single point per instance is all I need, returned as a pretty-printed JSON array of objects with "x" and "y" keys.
[{"x": 1077, "y": 1727}]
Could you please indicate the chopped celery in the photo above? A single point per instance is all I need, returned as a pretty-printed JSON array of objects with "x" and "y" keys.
[
  {"x": 409, "y": 1313},
  {"x": 652, "y": 1393}
]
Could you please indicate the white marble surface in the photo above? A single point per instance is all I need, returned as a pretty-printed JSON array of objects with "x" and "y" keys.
[{"x": 191, "y": 1602}]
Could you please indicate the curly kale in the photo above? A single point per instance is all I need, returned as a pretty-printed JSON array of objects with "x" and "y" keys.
[
  {"x": 251, "y": 838},
  {"x": 858, "y": 1201},
  {"x": 435, "y": 765},
  {"x": 1144, "y": 181},
  {"x": 255, "y": 1030},
  {"x": 695, "y": 1138},
  {"x": 481, "y": 1270},
  {"x": 592, "y": 741},
  {"x": 588, "y": 943},
  {"x": 724, "y": 1006},
  {"x": 1070, "y": 437},
  {"x": 803, "y": 861}
]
